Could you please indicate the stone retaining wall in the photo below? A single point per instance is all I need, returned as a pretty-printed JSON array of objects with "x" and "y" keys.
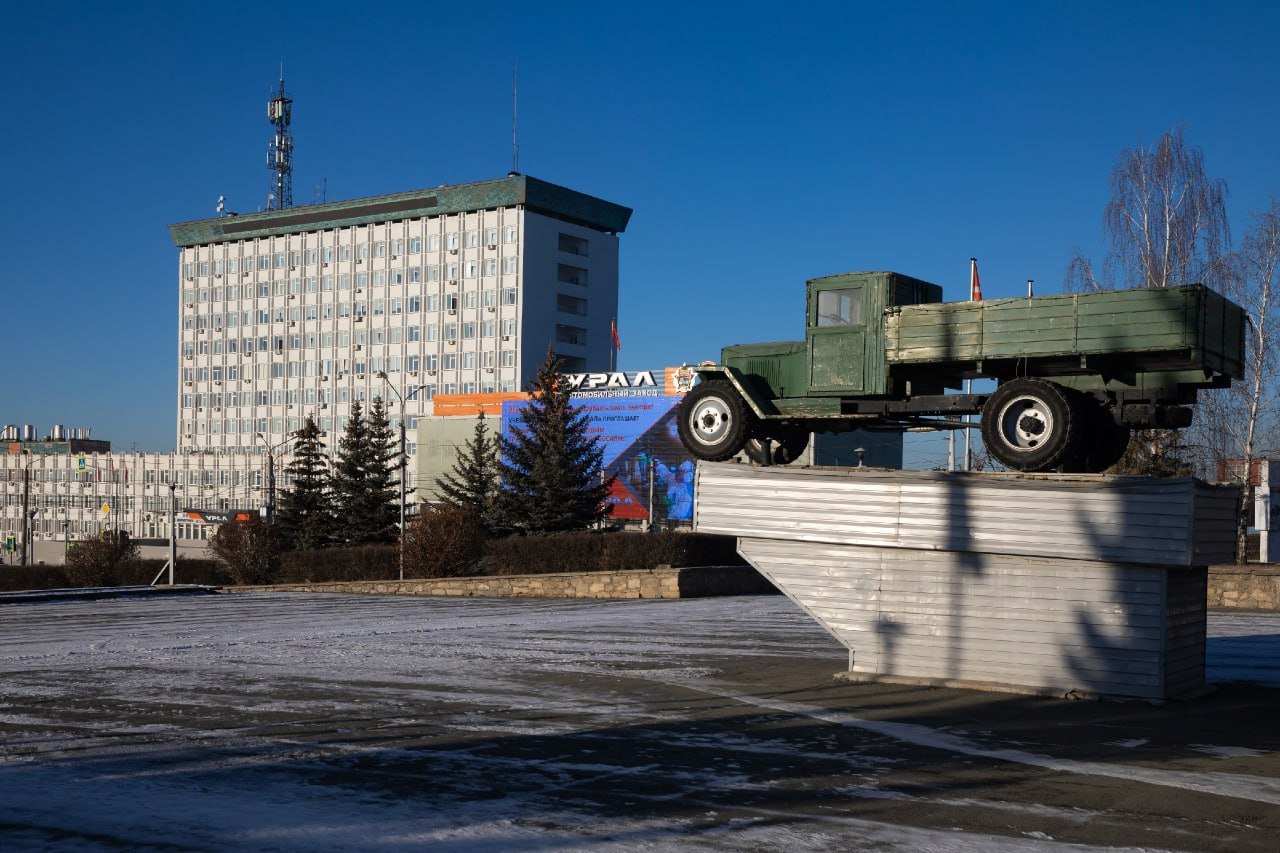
[
  {"x": 1251, "y": 587},
  {"x": 662, "y": 582}
]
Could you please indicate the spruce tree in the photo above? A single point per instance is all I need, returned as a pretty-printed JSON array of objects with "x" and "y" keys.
[
  {"x": 365, "y": 494},
  {"x": 347, "y": 477},
  {"x": 473, "y": 483},
  {"x": 382, "y": 476},
  {"x": 305, "y": 513},
  {"x": 550, "y": 466}
]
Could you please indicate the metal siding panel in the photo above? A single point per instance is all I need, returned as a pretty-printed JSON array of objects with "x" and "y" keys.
[
  {"x": 929, "y": 631},
  {"x": 1131, "y": 520}
]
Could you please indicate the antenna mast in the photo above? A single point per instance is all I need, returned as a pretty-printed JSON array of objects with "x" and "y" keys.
[
  {"x": 515, "y": 114},
  {"x": 280, "y": 151}
]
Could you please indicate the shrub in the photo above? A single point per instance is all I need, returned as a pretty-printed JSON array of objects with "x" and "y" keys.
[
  {"x": 361, "y": 563},
  {"x": 14, "y": 578},
  {"x": 96, "y": 561},
  {"x": 443, "y": 541},
  {"x": 249, "y": 550}
]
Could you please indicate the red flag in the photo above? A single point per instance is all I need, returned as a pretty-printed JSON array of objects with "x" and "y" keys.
[
  {"x": 613, "y": 330},
  {"x": 975, "y": 286}
]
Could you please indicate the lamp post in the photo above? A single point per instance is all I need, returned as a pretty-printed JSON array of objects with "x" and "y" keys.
[
  {"x": 173, "y": 529},
  {"x": 271, "y": 475},
  {"x": 27, "y": 513},
  {"x": 404, "y": 461}
]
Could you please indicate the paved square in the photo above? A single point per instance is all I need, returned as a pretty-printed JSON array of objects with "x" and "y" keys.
[{"x": 289, "y": 721}]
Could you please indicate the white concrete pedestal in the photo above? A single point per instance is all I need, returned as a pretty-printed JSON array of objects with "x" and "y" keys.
[{"x": 1083, "y": 585}]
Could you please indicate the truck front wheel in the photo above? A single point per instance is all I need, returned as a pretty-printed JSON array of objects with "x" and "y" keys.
[
  {"x": 714, "y": 421},
  {"x": 1030, "y": 425}
]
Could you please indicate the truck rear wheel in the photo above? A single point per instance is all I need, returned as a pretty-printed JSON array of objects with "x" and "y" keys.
[
  {"x": 783, "y": 447},
  {"x": 1102, "y": 440},
  {"x": 714, "y": 421},
  {"x": 1030, "y": 425}
]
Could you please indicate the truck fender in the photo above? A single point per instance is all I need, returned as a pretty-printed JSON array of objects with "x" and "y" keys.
[{"x": 759, "y": 404}]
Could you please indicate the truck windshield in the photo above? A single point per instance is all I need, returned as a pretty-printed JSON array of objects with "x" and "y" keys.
[{"x": 840, "y": 307}]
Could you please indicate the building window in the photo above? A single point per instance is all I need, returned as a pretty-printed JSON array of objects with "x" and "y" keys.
[
  {"x": 572, "y": 245},
  {"x": 571, "y": 335},
  {"x": 469, "y": 330},
  {"x": 571, "y": 304},
  {"x": 571, "y": 275},
  {"x": 511, "y": 234},
  {"x": 491, "y": 266},
  {"x": 451, "y": 361},
  {"x": 508, "y": 358},
  {"x": 451, "y": 331},
  {"x": 469, "y": 299},
  {"x": 489, "y": 328},
  {"x": 451, "y": 242},
  {"x": 433, "y": 273},
  {"x": 415, "y": 275},
  {"x": 415, "y": 245},
  {"x": 472, "y": 267},
  {"x": 468, "y": 361},
  {"x": 509, "y": 264},
  {"x": 509, "y": 326},
  {"x": 473, "y": 239},
  {"x": 433, "y": 243},
  {"x": 491, "y": 237},
  {"x": 508, "y": 296}
]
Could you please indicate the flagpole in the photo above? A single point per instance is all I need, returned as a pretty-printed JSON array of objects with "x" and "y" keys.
[{"x": 975, "y": 295}]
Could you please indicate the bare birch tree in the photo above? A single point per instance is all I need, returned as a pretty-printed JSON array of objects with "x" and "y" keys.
[
  {"x": 1240, "y": 424},
  {"x": 1167, "y": 225},
  {"x": 1166, "y": 221}
]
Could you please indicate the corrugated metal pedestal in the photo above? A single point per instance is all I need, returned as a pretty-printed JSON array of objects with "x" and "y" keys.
[{"x": 1066, "y": 585}]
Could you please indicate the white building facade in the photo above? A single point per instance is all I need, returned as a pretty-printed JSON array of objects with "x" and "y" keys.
[
  {"x": 460, "y": 289},
  {"x": 305, "y": 311}
]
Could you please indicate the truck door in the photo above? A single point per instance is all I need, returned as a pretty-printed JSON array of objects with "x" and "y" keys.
[{"x": 837, "y": 337}]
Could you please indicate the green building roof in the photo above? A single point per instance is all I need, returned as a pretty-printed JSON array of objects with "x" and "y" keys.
[{"x": 533, "y": 194}]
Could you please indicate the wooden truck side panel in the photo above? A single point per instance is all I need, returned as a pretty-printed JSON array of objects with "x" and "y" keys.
[{"x": 1176, "y": 328}]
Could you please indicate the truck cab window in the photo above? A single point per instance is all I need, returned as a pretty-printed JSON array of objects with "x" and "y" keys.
[{"x": 840, "y": 307}]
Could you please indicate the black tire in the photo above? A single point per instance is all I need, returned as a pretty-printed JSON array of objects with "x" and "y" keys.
[
  {"x": 785, "y": 447},
  {"x": 1102, "y": 440},
  {"x": 1031, "y": 425},
  {"x": 714, "y": 421}
]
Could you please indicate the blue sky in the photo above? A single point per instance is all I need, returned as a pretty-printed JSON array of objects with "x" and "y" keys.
[{"x": 759, "y": 145}]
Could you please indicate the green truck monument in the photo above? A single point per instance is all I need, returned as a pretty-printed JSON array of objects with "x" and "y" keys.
[{"x": 1075, "y": 373}]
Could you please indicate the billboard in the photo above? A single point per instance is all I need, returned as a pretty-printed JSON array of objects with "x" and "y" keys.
[{"x": 633, "y": 416}]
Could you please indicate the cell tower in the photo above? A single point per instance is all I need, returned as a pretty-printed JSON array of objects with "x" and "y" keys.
[{"x": 280, "y": 151}]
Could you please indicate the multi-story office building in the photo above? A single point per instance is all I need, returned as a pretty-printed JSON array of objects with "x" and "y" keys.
[
  {"x": 303, "y": 311},
  {"x": 458, "y": 289}
]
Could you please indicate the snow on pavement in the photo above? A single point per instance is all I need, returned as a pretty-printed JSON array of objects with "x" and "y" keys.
[{"x": 284, "y": 721}]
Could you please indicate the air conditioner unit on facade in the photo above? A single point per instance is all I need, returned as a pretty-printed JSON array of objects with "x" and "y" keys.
[
  {"x": 453, "y": 251},
  {"x": 359, "y": 290},
  {"x": 492, "y": 309},
  {"x": 291, "y": 296},
  {"x": 506, "y": 337},
  {"x": 431, "y": 373},
  {"x": 491, "y": 246},
  {"x": 453, "y": 311},
  {"x": 451, "y": 343},
  {"x": 191, "y": 305},
  {"x": 217, "y": 382},
  {"x": 244, "y": 274},
  {"x": 326, "y": 263},
  {"x": 191, "y": 278},
  {"x": 359, "y": 318},
  {"x": 217, "y": 275},
  {"x": 359, "y": 376}
]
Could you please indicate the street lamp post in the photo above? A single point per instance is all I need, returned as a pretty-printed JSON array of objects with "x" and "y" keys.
[
  {"x": 404, "y": 462},
  {"x": 173, "y": 529},
  {"x": 271, "y": 476}
]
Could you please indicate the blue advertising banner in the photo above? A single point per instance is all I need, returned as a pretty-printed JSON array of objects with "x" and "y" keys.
[{"x": 633, "y": 430}]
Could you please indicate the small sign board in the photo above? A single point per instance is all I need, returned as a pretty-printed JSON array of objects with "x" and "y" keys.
[{"x": 219, "y": 516}]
